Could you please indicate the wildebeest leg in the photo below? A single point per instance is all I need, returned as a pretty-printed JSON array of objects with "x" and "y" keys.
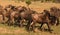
[
  {"x": 8, "y": 22},
  {"x": 16, "y": 21},
  {"x": 12, "y": 21},
  {"x": 21, "y": 23},
  {"x": 33, "y": 26},
  {"x": 3, "y": 19},
  {"x": 28, "y": 25},
  {"x": 48, "y": 27},
  {"x": 57, "y": 21},
  {"x": 41, "y": 26}
]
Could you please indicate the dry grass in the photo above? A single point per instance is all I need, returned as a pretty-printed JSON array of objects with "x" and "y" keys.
[
  {"x": 37, "y": 6},
  {"x": 10, "y": 30}
]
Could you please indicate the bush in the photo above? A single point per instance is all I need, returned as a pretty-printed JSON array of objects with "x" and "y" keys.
[
  {"x": 53, "y": 0},
  {"x": 28, "y": 2}
]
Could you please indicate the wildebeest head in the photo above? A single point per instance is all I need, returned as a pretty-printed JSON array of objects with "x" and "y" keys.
[
  {"x": 52, "y": 18},
  {"x": 22, "y": 9},
  {"x": 10, "y": 7},
  {"x": 53, "y": 9},
  {"x": 46, "y": 12}
]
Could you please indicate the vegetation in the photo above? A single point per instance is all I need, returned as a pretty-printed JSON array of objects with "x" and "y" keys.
[
  {"x": 11, "y": 30},
  {"x": 58, "y": 1},
  {"x": 28, "y": 2}
]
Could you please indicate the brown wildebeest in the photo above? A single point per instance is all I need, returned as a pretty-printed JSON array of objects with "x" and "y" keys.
[
  {"x": 16, "y": 18},
  {"x": 10, "y": 12},
  {"x": 41, "y": 18},
  {"x": 55, "y": 14},
  {"x": 15, "y": 15},
  {"x": 25, "y": 14},
  {"x": 2, "y": 12}
]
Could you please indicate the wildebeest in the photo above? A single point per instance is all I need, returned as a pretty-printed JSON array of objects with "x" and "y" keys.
[
  {"x": 19, "y": 14},
  {"x": 2, "y": 12},
  {"x": 55, "y": 14},
  {"x": 40, "y": 18},
  {"x": 10, "y": 12},
  {"x": 43, "y": 18},
  {"x": 25, "y": 14}
]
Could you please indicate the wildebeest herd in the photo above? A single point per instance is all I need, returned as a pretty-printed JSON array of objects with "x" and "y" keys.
[{"x": 17, "y": 15}]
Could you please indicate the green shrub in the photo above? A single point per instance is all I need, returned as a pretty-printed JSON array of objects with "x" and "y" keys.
[{"x": 28, "y": 2}]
